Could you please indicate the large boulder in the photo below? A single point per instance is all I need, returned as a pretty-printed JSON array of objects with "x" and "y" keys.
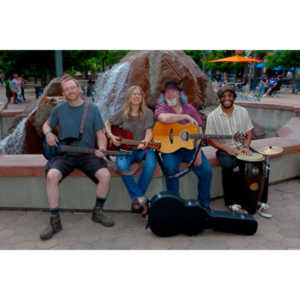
[{"x": 150, "y": 70}]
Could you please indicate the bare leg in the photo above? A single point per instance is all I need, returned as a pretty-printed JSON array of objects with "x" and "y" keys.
[
  {"x": 104, "y": 178},
  {"x": 53, "y": 196}
]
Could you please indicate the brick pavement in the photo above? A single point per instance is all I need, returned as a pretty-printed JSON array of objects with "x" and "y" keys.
[{"x": 20, "y": 229}]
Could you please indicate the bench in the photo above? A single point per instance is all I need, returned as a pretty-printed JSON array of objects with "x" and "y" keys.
[{"x": 22, "y": 182}]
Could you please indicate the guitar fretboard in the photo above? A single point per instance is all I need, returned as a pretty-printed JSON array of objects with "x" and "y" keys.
[
  {"x": 86, "y": 150},
  {"x": 210, "y": 136}
]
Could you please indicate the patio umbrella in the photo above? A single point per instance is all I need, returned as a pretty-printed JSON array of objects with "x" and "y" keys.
[
  {"x": 237, "y": 59},
  {"x": 261, "y": 65}
]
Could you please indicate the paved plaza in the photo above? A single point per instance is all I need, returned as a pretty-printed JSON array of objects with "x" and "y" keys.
[{"x": 20, "y": 229}]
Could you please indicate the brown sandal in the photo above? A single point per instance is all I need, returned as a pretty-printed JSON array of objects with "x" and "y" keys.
[
  {"x": 144, "y": 207},
  {"x": 136, "y": 208}
]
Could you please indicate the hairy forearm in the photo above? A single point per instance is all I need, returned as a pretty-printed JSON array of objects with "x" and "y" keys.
[
  {"x": 46, "y": 127},
  {"x": 171, "y": 118},
  {"x": 216, "y": 144},
  {"x": 101, "y": 139},
  {"x": 247, "y": 142}
]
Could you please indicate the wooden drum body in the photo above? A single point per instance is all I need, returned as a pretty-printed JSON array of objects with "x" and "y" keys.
[{"x": 251, "y": 170}]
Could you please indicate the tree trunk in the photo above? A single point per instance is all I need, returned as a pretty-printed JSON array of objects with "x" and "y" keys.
[{"x": 294, "y": 82}]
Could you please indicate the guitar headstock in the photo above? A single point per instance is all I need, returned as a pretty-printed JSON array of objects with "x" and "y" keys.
[{"x": 240, "y": 137}]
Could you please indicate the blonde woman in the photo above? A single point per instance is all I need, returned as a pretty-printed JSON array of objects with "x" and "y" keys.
[{"x": 137, "y": 118}]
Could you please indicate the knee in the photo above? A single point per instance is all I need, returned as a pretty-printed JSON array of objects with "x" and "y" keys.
[
  {"x": 151, "y": 160},
  {"x": 122, "y": 163},
  {"x": 54, "y": 176},
  {"x": 103, "y": 175}
]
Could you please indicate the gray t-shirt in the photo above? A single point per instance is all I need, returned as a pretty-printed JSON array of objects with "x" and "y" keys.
[
  {"x": 134, "y": 124},
  {"x": 68, "y": 118}
]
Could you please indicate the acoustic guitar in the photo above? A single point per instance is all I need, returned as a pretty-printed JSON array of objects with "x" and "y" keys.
[
  {"x": 127, "y": 140},
  {"x": 62, "y": 148},
  {"x": 173, "y": 136}
]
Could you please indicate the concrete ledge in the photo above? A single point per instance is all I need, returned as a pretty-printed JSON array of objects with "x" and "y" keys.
[{"x": 27, "y": 188}]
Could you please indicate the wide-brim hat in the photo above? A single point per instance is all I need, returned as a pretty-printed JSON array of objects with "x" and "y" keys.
[
  {"x": 171, "y": 85},
  {"x": 227, "y": 87}
]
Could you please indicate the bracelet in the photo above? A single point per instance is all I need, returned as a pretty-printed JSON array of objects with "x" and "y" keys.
[
  {"x": 246, "y": 147},
  {"x": 47, "y": 132}
]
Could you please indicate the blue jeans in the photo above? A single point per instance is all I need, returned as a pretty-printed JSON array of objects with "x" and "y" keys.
[
  {"x": 171, "y": 164},
  {"x": 123, "y": 163}
]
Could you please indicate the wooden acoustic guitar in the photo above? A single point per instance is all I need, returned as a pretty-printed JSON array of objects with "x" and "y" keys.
[
  {"x": 173, "y": 136},
  {"x": 127, "y": 140}
]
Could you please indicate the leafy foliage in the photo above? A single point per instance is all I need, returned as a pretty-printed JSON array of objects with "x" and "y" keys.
[{"x": 40, "y": 63}]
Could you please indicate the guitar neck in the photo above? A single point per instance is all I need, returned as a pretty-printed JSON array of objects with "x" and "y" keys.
[
  {"x": 210, "y": 136},
  {"x": 130, "y": 142},
  {"x": 86, "y": 150}
]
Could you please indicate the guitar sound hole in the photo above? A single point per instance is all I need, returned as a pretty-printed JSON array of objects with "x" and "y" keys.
[
  {"x": 171, "y": 136},
  {"x": 185, "y": 135}
]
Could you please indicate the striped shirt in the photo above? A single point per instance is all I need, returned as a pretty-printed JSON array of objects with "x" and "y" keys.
[{"x": 220, "y": 123}]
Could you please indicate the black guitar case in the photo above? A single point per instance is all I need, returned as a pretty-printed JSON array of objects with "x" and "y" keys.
[{"x": 170, "y": 215}]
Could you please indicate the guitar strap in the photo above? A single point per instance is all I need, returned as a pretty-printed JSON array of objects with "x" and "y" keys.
[
  {"x": 180, "y": 173},
  {"x": 84, "y": 114}
]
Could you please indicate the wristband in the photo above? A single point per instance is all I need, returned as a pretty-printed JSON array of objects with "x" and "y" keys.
[{"x": 47, "y": 132}]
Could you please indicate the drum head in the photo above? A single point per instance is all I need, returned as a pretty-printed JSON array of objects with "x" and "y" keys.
[{"x": 251, "y": 158}]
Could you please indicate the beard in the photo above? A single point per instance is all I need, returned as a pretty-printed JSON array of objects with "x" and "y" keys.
[
  {"x": 171, "y": 102},
  {"x": 228, "y": 104}
]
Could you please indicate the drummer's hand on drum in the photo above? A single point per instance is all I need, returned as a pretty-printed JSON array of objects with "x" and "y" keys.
[
  {"x": 233, "y": 152},
  {"x": 245, "y": 151}
]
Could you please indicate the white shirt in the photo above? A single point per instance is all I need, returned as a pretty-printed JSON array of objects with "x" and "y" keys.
[{"x": 220, "y": 123}]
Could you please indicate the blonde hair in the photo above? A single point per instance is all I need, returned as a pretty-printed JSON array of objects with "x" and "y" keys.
[{"x": 127, "y": 104}]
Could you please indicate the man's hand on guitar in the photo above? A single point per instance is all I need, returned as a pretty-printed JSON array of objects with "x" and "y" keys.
[
  {"x": 191, "y": 120},
  {"x": 52, "y": 139},
  {"x": 116, "y": 140},
  {"x": 99, "y": 153}
]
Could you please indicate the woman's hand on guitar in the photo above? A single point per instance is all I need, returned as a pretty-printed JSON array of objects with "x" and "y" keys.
[
  {"x": 143, "y": 145},
  {"x": 116, "y": 140},
  {"x": 99, "y": 153},
  {"x": 52, "y": 139}
]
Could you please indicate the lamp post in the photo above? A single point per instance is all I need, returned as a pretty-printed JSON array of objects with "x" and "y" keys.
[{"x": 58, "y": 63}]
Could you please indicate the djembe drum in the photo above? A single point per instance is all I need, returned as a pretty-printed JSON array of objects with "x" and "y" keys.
[{"x": 252, "y": 175}]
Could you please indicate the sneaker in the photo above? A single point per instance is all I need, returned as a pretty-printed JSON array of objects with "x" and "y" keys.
[
  {"x": 237, "y": 208},
  {"x": 263, "y": 210},
  {"x": 98, "y": 216},
  {"x": 54, "y": 227}
]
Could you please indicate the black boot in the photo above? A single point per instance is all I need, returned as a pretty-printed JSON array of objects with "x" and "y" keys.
[
  {"x": 54, "y": 227},
  {"x": 99, "y": 217}
]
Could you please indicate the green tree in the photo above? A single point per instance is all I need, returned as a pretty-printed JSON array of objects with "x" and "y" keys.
[
  {"x": 41, "y": 64},
  {"x": 287, "y": 59}
]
